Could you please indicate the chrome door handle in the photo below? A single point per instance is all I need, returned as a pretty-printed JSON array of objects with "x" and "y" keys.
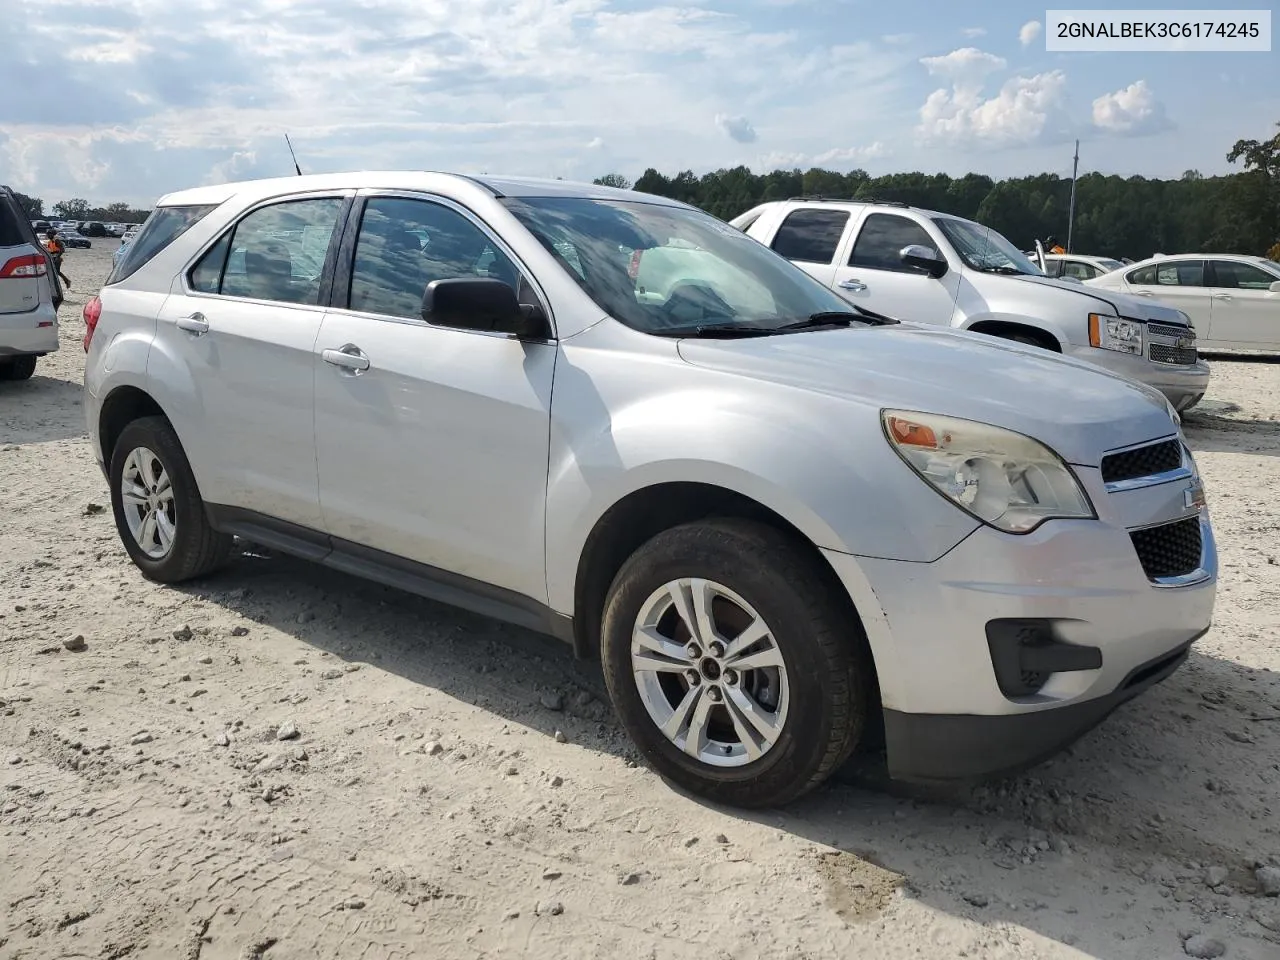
[
  {"x": 1222, "y": 296},
  {"x": 851, "y": 285},
  {"x": 349, "y": 357},
  {"x": 195, "y": 324},
  {"x": 1144, "y": 293}
]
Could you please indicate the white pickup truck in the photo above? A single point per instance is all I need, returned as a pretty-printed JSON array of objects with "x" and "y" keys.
[{"x": 928, "y": 267}]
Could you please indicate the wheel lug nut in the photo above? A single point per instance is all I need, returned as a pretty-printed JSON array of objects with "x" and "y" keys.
[
  {"x": 713, "y": 693},
  {"x": 731, "y": 677},
  {"x": 694, "y": 651},
  {"x": 716, "y": 649},
  {"x": 693, "y": 677}
]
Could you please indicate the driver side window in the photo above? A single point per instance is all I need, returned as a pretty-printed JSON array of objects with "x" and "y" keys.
[
  {"x": 881, "y": 239},
  {"x": 404, "y": 244},
  {"x": 275, "y": 253}
]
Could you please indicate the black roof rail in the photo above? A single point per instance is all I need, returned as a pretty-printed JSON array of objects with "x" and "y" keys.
[{"x": 884, "y": 203}]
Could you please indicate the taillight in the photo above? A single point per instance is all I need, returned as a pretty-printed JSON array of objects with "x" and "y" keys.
[
  {"x": 29, "y": 265},
  {"x": 92, "y": 311}
]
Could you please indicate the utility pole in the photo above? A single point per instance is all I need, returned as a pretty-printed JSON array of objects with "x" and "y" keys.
[{"x": 1071, "y": 210}]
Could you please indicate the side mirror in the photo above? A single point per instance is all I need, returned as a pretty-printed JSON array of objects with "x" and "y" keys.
[
  {"x": 924, "y": 258},
  {"x": 1275, "y": 286},
  {"x": 482, "y": 303}
]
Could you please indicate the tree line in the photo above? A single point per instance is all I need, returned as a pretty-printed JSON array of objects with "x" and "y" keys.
[
  {"x": 1132, "y": 217},
  {"x": 1115, "y": 216}
]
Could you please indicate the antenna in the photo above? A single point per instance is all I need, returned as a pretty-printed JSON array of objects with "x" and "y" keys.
[
  {"x": 291, "y": 153},
  {"x": 1071, "y": 210}
]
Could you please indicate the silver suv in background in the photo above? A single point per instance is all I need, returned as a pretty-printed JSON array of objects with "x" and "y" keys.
[
  {"x": 30, "y": 293},
  {"x": 786, "y": 525}
]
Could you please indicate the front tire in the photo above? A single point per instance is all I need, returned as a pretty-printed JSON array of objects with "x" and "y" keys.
[
  {"x": 732, "y": 665},
  {"x": 158, "y": 510}
]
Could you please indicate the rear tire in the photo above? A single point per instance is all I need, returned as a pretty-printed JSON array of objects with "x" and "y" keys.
[
  {"x": 802, "y": 720},
  {"x": 19, "y": 368},
  {"x": 162, "y": 524}
]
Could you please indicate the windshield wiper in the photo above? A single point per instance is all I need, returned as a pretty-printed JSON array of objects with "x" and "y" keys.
[
  {"x": 718, "y": 331},
  {"x": 837, "y": 318}
]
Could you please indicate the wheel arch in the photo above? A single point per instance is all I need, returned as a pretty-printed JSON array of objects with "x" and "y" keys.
[
  {"x": 1008, "y": 328},
  {"x": 122, "y": 406}
]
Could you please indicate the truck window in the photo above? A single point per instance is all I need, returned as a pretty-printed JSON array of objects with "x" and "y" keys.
[
  {"x": 881, "y": 239},
  {"x": 811, "y": 236}
]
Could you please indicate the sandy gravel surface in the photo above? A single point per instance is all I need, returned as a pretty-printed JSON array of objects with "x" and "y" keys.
[{"x": 449, "y": 787}]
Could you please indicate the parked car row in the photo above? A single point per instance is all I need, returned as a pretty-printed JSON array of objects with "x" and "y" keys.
[{"x": 790, "y": 525}]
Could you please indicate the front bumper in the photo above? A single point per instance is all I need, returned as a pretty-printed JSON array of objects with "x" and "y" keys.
[
  {"x": 1182, "y": 384},
  {"x": 946, "y": 714}
]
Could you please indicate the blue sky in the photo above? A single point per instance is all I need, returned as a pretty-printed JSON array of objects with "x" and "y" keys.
[{"x": 127, "y": 99}]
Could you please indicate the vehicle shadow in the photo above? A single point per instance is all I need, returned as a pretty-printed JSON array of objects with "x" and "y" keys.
[
  {"x": 1216, "y": 426},
  {"x": 1241, "y": 357},
  {"x": 40, "y": 410},
  {"x": 1155, "y": 795}
]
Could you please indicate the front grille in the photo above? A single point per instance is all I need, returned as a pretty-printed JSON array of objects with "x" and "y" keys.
[
  {"x": 1180, "y": 355},
  {"x": 1142, "y": 462},
  {"x": 1170, "y": 550},
  {"x": 1164, "y": 330}
]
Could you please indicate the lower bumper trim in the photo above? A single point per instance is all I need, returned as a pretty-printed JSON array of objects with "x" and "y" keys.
[{"x": 930, "y": 747}]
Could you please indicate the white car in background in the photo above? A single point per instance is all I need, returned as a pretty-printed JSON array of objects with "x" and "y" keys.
[
  {"x": 1075, "y": 266},
  {"x": 1232, "y": 300}
]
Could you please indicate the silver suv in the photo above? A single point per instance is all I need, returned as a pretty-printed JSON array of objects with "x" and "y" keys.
[
  {"x": 30, "y": 293},
  {"x": 789, "y": 527}
]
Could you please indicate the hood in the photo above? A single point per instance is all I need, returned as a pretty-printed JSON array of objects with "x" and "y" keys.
[
  {"x": 1120, "y": 304},
  {"x": 1077, "y": 409}
]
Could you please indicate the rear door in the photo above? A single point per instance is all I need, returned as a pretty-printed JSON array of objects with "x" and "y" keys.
[
  {"x": 1246, "y": 313},
  {"x": 1179, "y": 283},
  {"x": 240, "y": 326},
  {"x": 810, "y": 237},
  {"x": 875, "y": 277}
]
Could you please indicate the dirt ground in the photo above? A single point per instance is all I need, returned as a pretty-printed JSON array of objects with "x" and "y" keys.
[{"x": 454, "y": 788}]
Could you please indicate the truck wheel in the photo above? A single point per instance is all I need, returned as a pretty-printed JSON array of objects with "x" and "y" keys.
[
  {"x": 159, "y": 514},
  {"x": 19, "y": 368},
  {"x": 732, "y": 666}
]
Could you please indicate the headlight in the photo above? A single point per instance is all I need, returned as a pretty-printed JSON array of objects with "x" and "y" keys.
[
  {"x": 1003, "y": 478},
  {"x": 1113, "y": 333}
]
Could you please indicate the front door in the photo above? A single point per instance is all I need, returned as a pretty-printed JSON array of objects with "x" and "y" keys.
[
  {"x": 242, "y": 333},
  {"x": 876, "y": 278},
  {"x": 431, "y": 442},
  {"x": 1246, "y": 314}
]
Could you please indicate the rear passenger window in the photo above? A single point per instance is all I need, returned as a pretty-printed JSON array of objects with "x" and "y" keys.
[
  {"x": 881, "y": 239},
  {"x": 405, "y": 244},
  {"x": 811, "y": 236},
  {"x": 275, "y": 253}
]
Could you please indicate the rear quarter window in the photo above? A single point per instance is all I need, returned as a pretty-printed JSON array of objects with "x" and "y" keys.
[{"x": 163, "y": 227}]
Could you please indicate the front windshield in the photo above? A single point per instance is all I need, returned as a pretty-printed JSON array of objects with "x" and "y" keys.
[
  {"x": 673, "y": 271},
  {"x": 984, "y": 249}
]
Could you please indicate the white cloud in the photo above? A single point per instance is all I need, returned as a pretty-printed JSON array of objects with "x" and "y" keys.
[
  {"x": 1133, "y": 111},
  {"x": 595, "y": 143},
  {"x": 974, "y": 32},
  {"x": 1029, "y": 32},
  {"x": 966, "y": 67},
  {"x": 898, "y": 39},
  {"x": 1026, "y": 110},
  {"x": 842, "y": 155},
  {"x": 737, "y": 128}
]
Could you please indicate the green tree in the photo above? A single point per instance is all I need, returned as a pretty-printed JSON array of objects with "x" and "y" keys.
[
  {"x": 613, "y": 180},
  {"x": 75, "y": 209}
]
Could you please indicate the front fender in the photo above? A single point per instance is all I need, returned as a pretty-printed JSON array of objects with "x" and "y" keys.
[{"x": 819, "y": 462}]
